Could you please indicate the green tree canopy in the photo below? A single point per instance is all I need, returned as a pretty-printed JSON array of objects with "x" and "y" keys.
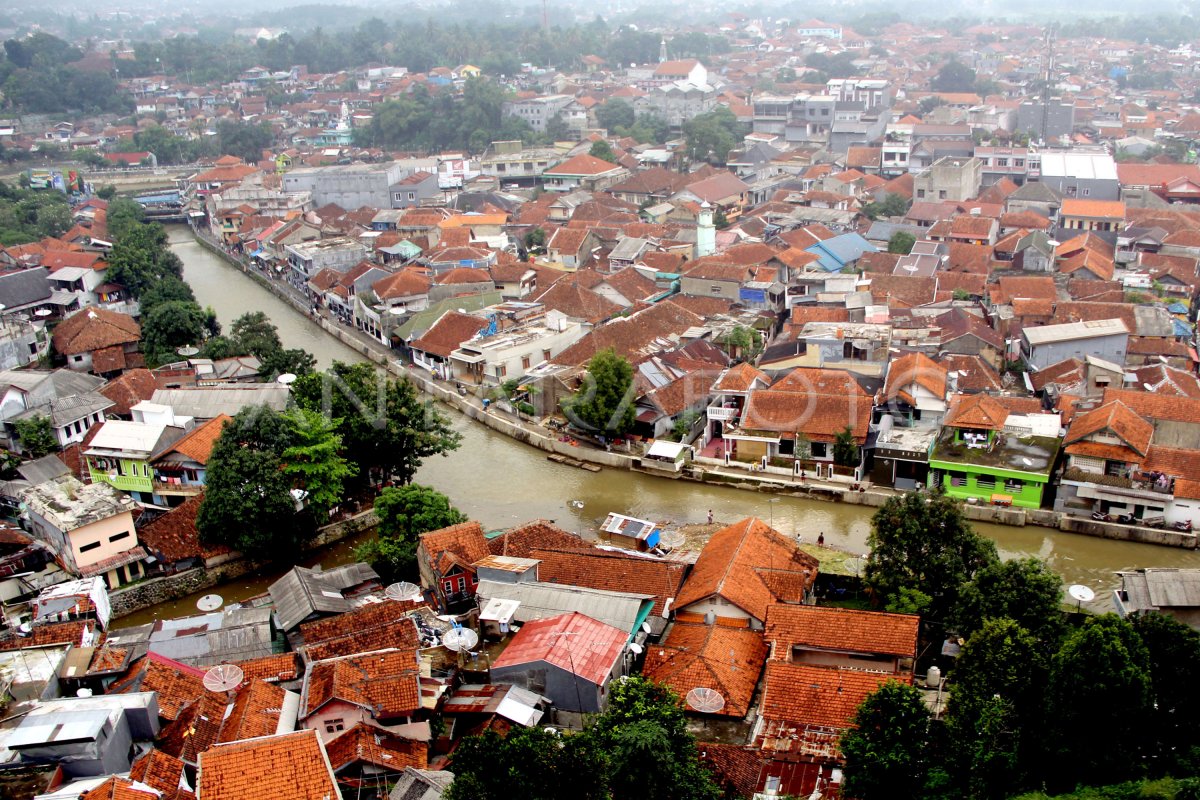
[
  {"x": 604, "y": 404},
  {"x": 248, "y": 504},
  {"x": 901, "y": 242},
  {"x": 140, "y": 257},
  {"x": 168, "y": 326},
  {"x": 1174, "y": 652},
  {"x": 886, "y": 749},
  {"x": 615, "y": 114},
  {"x": 36, "y": 435},
  {"x": 954, "y": 76},
  {"x": 603, "y": 151},
  {"x": 405, "y": 512},
  {"x": 1099, "y": 681},
  {"x": 313, "y": 460},
  {"x": 1025, "y": 590},
  {"x": 995, "y": 709},
  {"x": 385, "y": 426},
  {"x": 923, "y": 542},
  {"x": 711, "y": 136},
  {"x": 845, "y": 449}
]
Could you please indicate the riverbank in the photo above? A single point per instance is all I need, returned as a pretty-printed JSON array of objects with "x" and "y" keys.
[{"x": 715, "y": 473}]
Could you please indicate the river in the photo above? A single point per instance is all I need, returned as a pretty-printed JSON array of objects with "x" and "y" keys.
[{"x": 502, "y": 482}]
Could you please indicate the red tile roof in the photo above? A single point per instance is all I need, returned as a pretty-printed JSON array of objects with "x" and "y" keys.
[
  {"x": 976, "y": 411},
  {"x": 603, "y": 569},
  {"x": 385, "y": 683},
  {"x": 366, "y": 744},
  {"x": 728, "y": 660},
  {"x": 198, "y": 443},
  {"x": 574, "y": 642},
  {"x": 291, "y": 765},
  {"x": 462, "y": 544},
  {"x": 820, "y": 417},
  {"x": 178, "y": 685},
  {"x": 582, "y": 165},
  {"x": 1113, "y": 418},
  {"x": 129, "y": 389},
  {"x": 799, "y": 696},
  {"x": 751, "y": 565},
  {"x": 448, "y": 333},
  {"x": 841, "y": 629},
  {"x": 94, "y": 329},
  {"x": 538, "y": 534},
  {"x": 173, "y": 536}
]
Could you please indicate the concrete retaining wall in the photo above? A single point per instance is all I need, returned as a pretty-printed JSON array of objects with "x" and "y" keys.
[
  {"x": 171, "y": 587},
  {"x": 763, "y": 481}
]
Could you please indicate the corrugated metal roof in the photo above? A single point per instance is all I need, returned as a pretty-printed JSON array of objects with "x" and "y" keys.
[
  {"x": 1069, "y": 331},
  {"x": 213, "y": 401},
  {"x": 577, "y": 643},
  {"x": 621, "y": 610}
]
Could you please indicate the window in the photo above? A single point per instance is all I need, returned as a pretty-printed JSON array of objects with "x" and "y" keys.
[
  {"x": 1014, "y": 486},
  {"x": 448, "y": 585},
  {"x": 118, "y": 536},
  {"x": 462, "y": 583},
  {"x": 501, "y": 371},
  {"x": 524, "y": 362},
  {"x": 819, "y": 449},
  {"x": 920, "y": 193},
  {"x": 89, "y": 546},
  {"x": 1087, "y": 192},
  {"x": 545, "y": 355},
  {"x": 941, "y": 194},
  {"x": 958, "y": 479},
  {"x": 985, "y": 481},
  {"x": 412, "y": 195},
  {"x": 334, "y": 725}
]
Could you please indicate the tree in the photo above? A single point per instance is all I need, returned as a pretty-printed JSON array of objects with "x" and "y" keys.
[
  {"x": 923, "y": 542},
  {"x": 292, "y": 360},
  {"x": 995, "y": 709},
  {"x": 169, "y": 326},
  {"x": 901, "y": 243},
  {"x": 244, "y": 140},
  {"x": 683, "y": 425},
  {"x": 36, "y": 435},
  {"x": 1099, "y": 681},
  {"x": 885, "y": 749},
  {"x": 892, "y": 205},
  {"x": 845, "y": 449},
  {"x": 1174, "y": 652},
  {"x": 140, "y": 257},
  {"x": 528, "y": 762},
  {"x": 603, "y": 150},
  {"x": 650, "y": 750},
  {"x": 604, "y": 403},
  {"x": 168, "y": 289},
  {"x": 385, "y": 426},
  {"x": 313, "y": 461},
  {"x": 248, "y": 504},
  {"x": 615, "y": 115},
  {"x": 954, "y": 76},
  {"x": 255, "y": 334},
  {"x": 535, "y": 239},
  {"x": 123, "y": 216},
  {"x": 711, "y": 136},
  {"x": 743, "y": 342},
  {"x": 405, "y": 512},
  {"x": 1025, "y": 590}
]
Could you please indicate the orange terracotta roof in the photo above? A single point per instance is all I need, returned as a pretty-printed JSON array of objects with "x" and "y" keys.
[
  {"x": 128, "y": 389},
  {"x": 603, "y": 569},
  {"x": 802, "y": 696},
  {"x": 740, "y": 378},
  {"x": 291, "y": 765},
  {"x": 178, "y": 685},
  {"x": 385, "y": 683},
  {"x": 366, "y": 744},
  {"x": 1157, "y": 407},
  {"x": 728, "y": 660},
  {"x": 915, "y": 368},
  {"x": 820, "y": 417},
  {"x": 94, "y": 329},
  {"x": 273, "y": 669},
  {"x": 521, "y": 540},
  {"x": 976, "y": 411},
  {"x": 1114, "y": 418},
  {"x": 163, "y": 772},
  {"x": 842, "y": 629},
  {"x": 464, "y": 544},
  {"x": 1104, "y": 209},
  {"x": 448, "y": 333},
  {"x": 198, "y": 443},
  {"x": 751, "y": 565},
  {"x": 818, "y": 380}
]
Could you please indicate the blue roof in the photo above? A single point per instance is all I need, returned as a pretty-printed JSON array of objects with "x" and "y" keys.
[
  {"x": 834, "y": 254},
  {"x": 1182, "y": 328},
  {"x": 1177, "y": 308}
]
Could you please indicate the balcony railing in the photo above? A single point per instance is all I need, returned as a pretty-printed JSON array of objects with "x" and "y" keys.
[
  {"x": 723, "y": 413},
  {"x": 163, "y": 487}
]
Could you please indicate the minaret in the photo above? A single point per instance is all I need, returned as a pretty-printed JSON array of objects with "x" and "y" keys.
[
  {"x": 706, "y": 231},
  {"x": 662, "y": 50}
]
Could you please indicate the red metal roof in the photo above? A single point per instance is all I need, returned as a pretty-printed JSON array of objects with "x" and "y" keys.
[{"x": 574, "y": 642}]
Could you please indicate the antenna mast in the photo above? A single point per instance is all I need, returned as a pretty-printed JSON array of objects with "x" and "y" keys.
[{"x": 1046, "y": 83}]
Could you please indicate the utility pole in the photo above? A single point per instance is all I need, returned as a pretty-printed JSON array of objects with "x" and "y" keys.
[{"x": 1046, "y": 82}]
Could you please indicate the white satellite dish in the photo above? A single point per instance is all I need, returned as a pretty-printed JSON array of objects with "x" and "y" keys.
[
  {"x": 287, "y": 379},
  {"x": 1081, "y": 593},
  {"x": 210, "y": 602},
  {"x": 223, "y": 678},
  {"x": 403, "y": 591},
  {"x": 705, "y": 700},
  {"x": 635, "y": 648},
  {"x": 460, "y": 640},
  {"x": 187, "y": 351},
  {"x": 672, "y": 539}
]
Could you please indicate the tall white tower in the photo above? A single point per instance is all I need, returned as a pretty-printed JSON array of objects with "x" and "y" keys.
[
  {"x": 662, "y": 50},
  {"x": 706, "y": 231}
]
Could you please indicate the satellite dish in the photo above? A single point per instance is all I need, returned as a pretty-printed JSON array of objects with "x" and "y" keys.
[
  {"x": 43, "y": 312},
  {"x": 1081, "y": 593},
  {"x": 460, "y": 639},
  {"x": 705, "y": 700},
  {"x": 187, "y": 351},
  {"x": 223, "y": 678},
  {"x": 403, "y": 591},
  {"x": 672, "y": 539},
  {"x": 84, "y": 692},
  {"x": 287, "y": 379},
  {"x": 210, "y": 602},
  {"x": 646, "y": 627},
  {"x": 635, "y": 648}
]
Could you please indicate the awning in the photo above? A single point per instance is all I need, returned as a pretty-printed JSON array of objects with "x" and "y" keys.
[
  {"x": 257, "y": 253},
  {"x": 668, "y": 450}
]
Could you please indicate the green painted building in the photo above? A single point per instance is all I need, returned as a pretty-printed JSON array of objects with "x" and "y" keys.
[{"x": 977, "y": 458}]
